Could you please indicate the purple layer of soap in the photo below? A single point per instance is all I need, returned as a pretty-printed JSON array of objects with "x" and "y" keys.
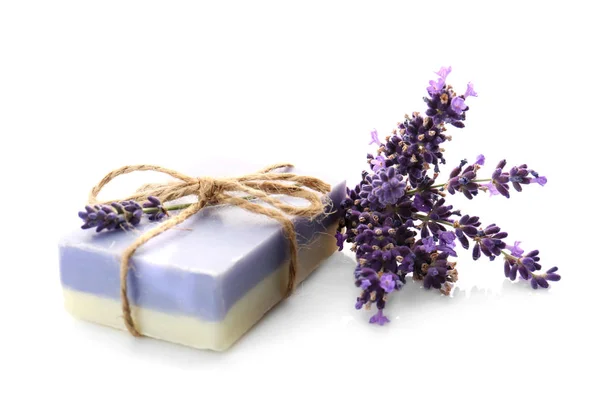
[{"x": 199, "y": 269}]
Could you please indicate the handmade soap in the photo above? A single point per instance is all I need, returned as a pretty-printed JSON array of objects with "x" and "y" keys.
[{"x": 202, "y": 284}]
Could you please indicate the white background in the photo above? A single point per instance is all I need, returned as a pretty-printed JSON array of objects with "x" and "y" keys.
[{"x": 86, "y": 87}]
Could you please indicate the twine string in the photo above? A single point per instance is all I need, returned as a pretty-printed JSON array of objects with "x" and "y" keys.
[{"x": 212, "y": 191}]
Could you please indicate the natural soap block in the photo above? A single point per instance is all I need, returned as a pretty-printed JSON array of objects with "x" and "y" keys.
[{"x": 202, "y": 284}]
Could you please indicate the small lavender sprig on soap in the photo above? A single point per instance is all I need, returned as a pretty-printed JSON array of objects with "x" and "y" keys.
[
  {"x": 125, "y": 215},
  {"x": 397, "y": 218}
]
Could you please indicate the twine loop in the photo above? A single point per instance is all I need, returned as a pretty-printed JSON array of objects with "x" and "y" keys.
[{"x": 238, "y": 191}]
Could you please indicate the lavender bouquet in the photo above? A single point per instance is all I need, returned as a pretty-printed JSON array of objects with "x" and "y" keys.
[{"x": 397, "y": 218}]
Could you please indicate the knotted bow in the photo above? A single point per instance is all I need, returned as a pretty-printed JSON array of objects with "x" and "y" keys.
[{"x": 238, "y": 191}]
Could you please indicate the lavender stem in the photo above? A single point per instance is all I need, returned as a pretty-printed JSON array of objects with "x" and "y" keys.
[
  {"x": 152, "y": 210},
  {"x": 426, "y": 218},
  {"x": 442, "y": 185}
]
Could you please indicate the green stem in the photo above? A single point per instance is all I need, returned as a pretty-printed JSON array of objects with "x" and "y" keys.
[
  {"x": 417, "y": 190},
  {"x": 439, "y": 185},
  {"x": 173, "y": 207},
  {"x": 425, "y": 218},
  {"x": 506, "y": 255}
]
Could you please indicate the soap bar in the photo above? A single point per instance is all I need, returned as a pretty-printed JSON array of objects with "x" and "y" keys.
[{"x": 202, "y": 284}]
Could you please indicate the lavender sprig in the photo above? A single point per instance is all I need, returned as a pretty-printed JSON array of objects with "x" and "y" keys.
[
  {"x": 124, "y": 215},
  {"x": 399, "y": 200}
]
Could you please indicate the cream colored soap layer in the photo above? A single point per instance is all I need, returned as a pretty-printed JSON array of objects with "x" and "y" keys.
[{"x": 195, "y": 332}]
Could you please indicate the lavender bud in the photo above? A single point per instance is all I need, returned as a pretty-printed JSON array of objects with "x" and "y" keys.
[{"x": 476, "y": 251}]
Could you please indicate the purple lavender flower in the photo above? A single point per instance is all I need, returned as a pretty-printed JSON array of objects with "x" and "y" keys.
[
  {"x": 517, "y": 176},
  {"x": 514, "y": 266},
  {"x": 388, "y": 282},
  {"x": 436, "y": 86},
  {"x": 379, "y": 318},
  {"x": 551, "y": 274},
  {"x": 515, "y": 250},
  {"x": 152, "y": 202},
  {"x": 458, "y": 105},
  {"x": 365, "y": 284},
  {"x": 120, "y": 215},
  {"x": 437, "y": 217},
  {"x": 489, "y": 242},
  {"x": 422, "y": 204},
  {"x": 541, "y": 280},
  {"x": 444, "y": 106},
  {"x": 541, "y": 180},
  {"x": 386, "y": 188},
  {"x": 435, "y": 277},
  {"x": 415, "y": 146},
  {"x": 340, "y": 238},
  {"x": 429, "y": 244},
  {"x": 470, "y": 91},
  {"x": 500, "y": 179},
  {"x": 442, "y": 242},
  {"x": 160, "y": 213},
  {"x": 444, "y": 72},
  {"x": 439, "y": 273},
  {"x": 525, "y": 266},
  {"x": 466, "y": 227},
  {"x": 464, "y": 180},
  {"x": 375, "y": 289},
  {"x": 490, "y": 188},
  {"x": 398, "y": 198},
  {"x": 375, "y": 138},
  {"x": 124, "y": 215},
  {"x": 359, "y": 304},
  {"x": 447, "y": 243},
  {"x": 89, "y": 216},
  {"x": 377, "y": 163}
]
